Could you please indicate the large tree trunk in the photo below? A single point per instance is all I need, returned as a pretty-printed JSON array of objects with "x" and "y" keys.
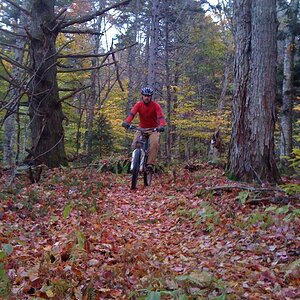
[
  {"x": 251, "y": 154},
  {"x": 287, "y": 84},
  {"x": 45, "y": 109}
]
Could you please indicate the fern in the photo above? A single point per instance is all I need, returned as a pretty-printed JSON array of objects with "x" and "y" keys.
[
  {"x": 60, "y": 287},
  {"x": 90, "y": 293},
  {"x": 5, "y": 284}
]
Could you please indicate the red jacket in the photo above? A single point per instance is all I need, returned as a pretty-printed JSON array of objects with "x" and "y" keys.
[{"x": 151, "y": 114}]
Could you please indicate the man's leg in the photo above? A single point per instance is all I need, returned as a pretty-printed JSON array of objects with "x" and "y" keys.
[
  {"x": 135, "y": 138},
  {"x": 153, "y": 148}
]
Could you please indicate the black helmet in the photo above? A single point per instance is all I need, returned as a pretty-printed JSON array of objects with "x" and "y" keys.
[{"x": 147, "y": 91}]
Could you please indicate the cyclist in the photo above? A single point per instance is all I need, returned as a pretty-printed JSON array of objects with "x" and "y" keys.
[{"x": 151, "y": 116}]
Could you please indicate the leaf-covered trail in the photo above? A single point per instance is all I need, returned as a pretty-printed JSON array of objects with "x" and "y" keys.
[{"x": 85, "y": 235}]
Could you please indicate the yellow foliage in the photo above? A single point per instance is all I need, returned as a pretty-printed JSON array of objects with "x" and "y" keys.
[
  {"x": 297, "y": 107},
  {"x": 114, "y": 110}
]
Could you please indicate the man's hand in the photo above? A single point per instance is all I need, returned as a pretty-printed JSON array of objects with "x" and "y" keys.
[
  {"x": 161, "y": 129},
  {"x": 125, "y": 125}
]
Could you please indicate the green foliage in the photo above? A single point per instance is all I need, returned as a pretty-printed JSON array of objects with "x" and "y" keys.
[
  {"x": 115, "y": 165},
  {"x": 67, "y": 210},
  {"x": 5, "y": 284},
  {"x": 291, "y": 213},
  {"x": 206, "y": 215},
  {"x": 243, "y": 196},
  {"x": 102, "y": 137},
  {"x": 80, "y": 239},
  {"x": 210, "y": 216},
  {"x": 196, "y": 285},
  {"x": 295, "y": 159},
  {"x": 57, "y": 288},
  {"x": 291, "y": 188}
]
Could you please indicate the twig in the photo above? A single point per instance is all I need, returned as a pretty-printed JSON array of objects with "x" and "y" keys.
[
  {"x": 243, "y": 187},
  {"x": 94, "y": 55},
  {"x": 277, "y": 200},
  {"x": 19, "y": 7},
  {"x": 84, "y": 69},
  {"x": 73, "y": 93},
  {"x": 92, "y": 16}
]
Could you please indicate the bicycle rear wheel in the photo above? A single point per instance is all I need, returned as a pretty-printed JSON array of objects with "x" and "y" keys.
[
  {"x": 136, "y": 160},
  {"x": 147, "y": 177}
]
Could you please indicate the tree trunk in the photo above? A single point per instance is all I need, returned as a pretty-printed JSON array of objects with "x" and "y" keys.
[
  {"x": 251, "y": 154},
  {"x": 169, "y": 95},
  {"x": 45, "y": 109},
  {"x": 9, "y": 140},
  {"x": 153, "y": 48},
  {"x": 287, "y": 84},
  {"x": 9, "y": 143},
  {"x": 94, "y": 93}
]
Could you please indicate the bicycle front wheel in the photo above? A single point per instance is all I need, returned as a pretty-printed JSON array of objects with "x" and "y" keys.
[{"x": 136, "y": 160}]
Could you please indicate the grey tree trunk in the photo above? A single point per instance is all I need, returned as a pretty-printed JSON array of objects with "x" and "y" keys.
[
  {"x": 45, "y": 109},
  {"x": 169, "y": 95},
  {"x": 286, "y": 143},
  {"x": 9, "y": 143},
  {"x": 251, "y": 154},
  {"x": 94, "y": 93},
  {"x": 132, "y": 58},
  {"x": 153, "y": 48}
]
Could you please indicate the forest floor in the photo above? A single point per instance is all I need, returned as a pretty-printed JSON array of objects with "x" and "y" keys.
[{"x": 82, "y": 234}]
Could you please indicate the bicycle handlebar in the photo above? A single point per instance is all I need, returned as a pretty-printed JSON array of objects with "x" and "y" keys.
[{"x": 132, "y": 127}]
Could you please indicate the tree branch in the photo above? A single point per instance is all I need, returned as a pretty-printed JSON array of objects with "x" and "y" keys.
[
  {"x": 94, "y": 15},
  {"x": 74, "y": 92},
  {"x": 243, "y": 187},
  {"x": 13, "y": 46},
  {"x": 25, "y": 11},
  {"x": 117, "y": 72},
  {"x": 78, "y": 31},
  {"x": 94, "y": 55},
  {"x": 84, "y": 69},
  {"x": 13, "y": 33}
]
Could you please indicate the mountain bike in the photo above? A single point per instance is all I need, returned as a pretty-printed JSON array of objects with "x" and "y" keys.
[{"x": 140, "y": 157}]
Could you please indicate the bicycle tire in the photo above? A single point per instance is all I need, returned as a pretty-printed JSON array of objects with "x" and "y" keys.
[
  {"x": 147, "y": 178},
  {"x": 135, "y": 168}
]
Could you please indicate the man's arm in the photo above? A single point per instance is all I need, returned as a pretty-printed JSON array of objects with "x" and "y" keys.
[{"x": 132, "y": 113}]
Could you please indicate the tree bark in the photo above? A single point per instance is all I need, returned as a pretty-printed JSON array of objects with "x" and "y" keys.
[
  {"x": 9, "y": 143},
  {"x": 169, "y": 95},
  {"x": 251, "y": 155},
  {"x": 153, "y": 48},
  {"x": 45, "y": 109},
  {"x": 287, "y": 84}
]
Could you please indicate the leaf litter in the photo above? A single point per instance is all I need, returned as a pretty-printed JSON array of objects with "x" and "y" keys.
[{"x": 81, "y": 234}]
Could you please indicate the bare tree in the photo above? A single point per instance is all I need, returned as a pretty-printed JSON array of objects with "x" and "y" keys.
[{"x": 45, "y": 109}]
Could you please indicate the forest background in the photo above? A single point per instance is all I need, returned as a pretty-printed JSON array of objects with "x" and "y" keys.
[
  {"x": 227, "y": 72},
  {"x": 189, "y": 62}
]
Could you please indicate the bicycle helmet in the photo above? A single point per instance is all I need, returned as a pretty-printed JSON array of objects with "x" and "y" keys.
[{"x": 147, "y": 91}]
